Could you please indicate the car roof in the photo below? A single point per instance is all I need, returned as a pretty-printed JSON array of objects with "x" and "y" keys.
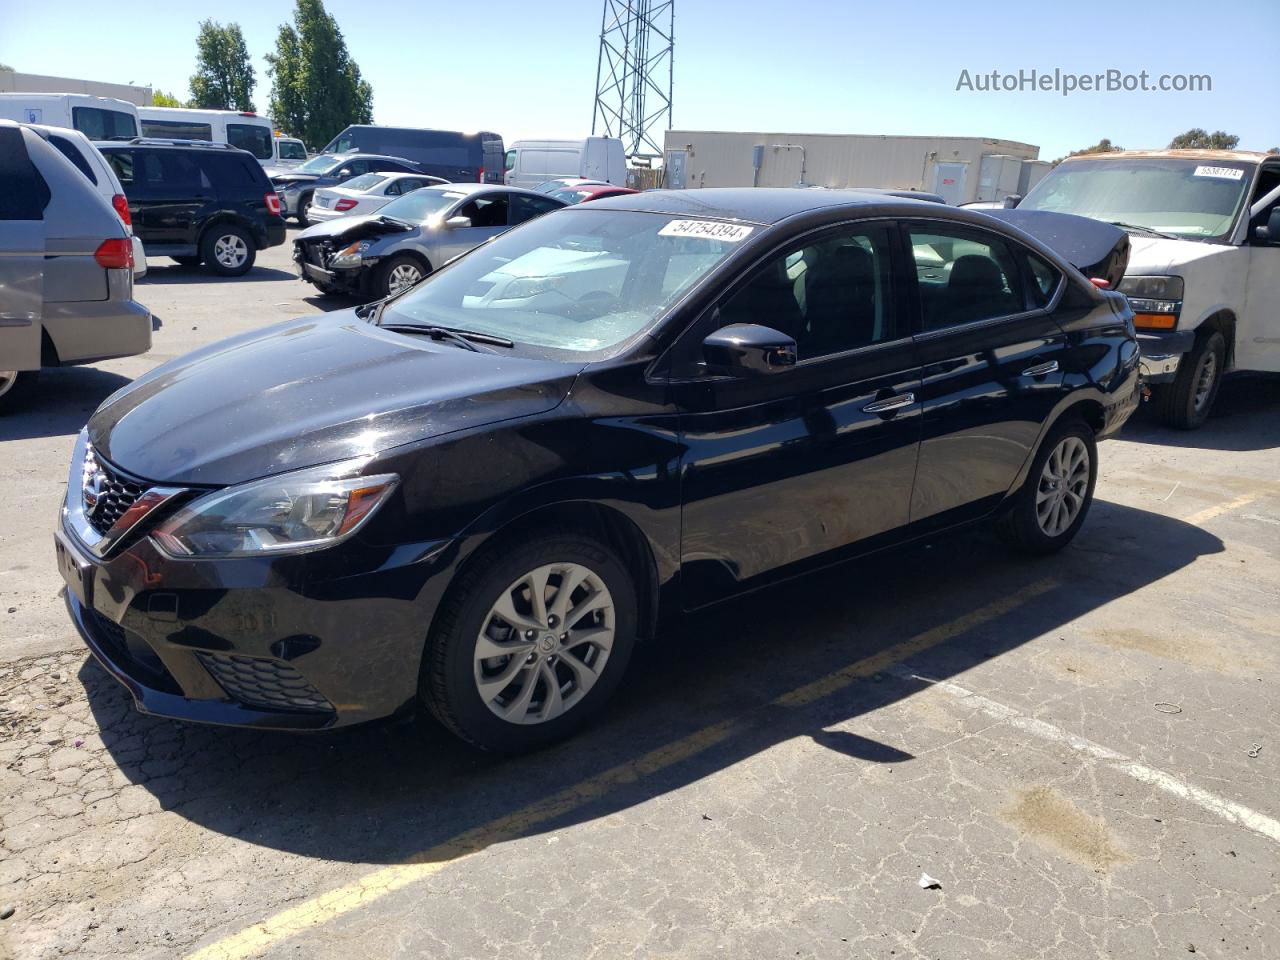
[
  {"x": 595, "y": 189},
  {"x": 762, "y": 205},
  {"x": 470, "y": 188}
]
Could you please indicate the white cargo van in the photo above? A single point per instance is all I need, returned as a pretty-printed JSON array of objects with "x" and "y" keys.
[
  {"x": 1204, "y": 262},
  {"x": 532, "y": 162},
  {"x": 98, "y": 118},
  {"x": 248, "y": 131}
]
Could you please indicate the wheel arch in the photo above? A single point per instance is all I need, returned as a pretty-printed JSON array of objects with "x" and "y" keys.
[
  {"x": 609, "y": 525},
  {"x": 1220, "y": 321},
  {"x": 1086, "y": 405},
  {"x": 221, "y": 218}
]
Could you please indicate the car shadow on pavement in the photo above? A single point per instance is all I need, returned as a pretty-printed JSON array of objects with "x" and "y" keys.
[
  {"x": 697, "y": 700},
  {"x": 1245, "y": 416},
  {"x": 174, "y": 273},
  {"x": 63, "y": 400}
]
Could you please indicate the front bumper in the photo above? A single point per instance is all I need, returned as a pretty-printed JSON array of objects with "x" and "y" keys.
[
  {"x": 302, "y": 643},
  {"x": 1162, "y": 351}
]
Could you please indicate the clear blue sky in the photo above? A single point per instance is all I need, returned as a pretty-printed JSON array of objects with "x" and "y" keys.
[{"x": 824, "y": 66}]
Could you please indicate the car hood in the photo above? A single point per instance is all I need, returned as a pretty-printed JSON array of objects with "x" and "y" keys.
[
  {"x": 283, "y": 178},
  {"x": 311, "y": 391},
  {"x": 352, "y": 228}
]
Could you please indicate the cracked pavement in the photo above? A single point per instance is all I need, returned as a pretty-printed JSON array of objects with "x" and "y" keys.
[{"x": 706, "y": 814}]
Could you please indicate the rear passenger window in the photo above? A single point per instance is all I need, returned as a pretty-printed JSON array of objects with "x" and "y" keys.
[
  {"x": 68, "y": 150},
  {"x": 1042, "y": 280},
  {"x": 963, "y": 276},
  {"x": 830, "y": 296}
]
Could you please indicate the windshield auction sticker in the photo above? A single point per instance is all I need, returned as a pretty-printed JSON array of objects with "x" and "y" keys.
[
  {"x": 1222, "y": 173},
  {"x": 707, "y": 230}
]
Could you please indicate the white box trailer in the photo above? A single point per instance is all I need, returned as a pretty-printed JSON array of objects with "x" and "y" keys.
[{"x": 948, "y": 166}]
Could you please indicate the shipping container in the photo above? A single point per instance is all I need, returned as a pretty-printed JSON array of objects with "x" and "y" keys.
[{"x": 953, "y": 167}]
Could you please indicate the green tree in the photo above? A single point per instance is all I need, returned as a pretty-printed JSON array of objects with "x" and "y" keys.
[
  {"x": 224, "y": 77},
  {"x": 1102, "y": 146},
  {"x": 1197, "y": 139},
  {"x": 161, "y": 99},
  {"x": 316, "y": 88}
]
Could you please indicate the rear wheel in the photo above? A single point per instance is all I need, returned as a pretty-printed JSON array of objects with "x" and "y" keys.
[
  {"x": 1049, "y": 510},
  {"x": 531, "y": 642},
  {"x": 396, "y": 275},
  {"x": 228, "y": 250},
  {"x": 15, "y": 388},
  {"x": 187, "y": 261},
  {"x": 1185, "y": 403}
]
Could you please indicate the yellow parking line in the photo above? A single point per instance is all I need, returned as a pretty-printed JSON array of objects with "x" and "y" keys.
[
  {"x": 1208, "y": 513},
  {"x": 321, "y": 909}
]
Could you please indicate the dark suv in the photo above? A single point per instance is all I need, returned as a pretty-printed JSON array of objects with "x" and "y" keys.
[{"x": 198, "y": 202}]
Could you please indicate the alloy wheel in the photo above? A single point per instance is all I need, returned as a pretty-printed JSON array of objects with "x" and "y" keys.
[
  {"x": 7, "y": 379},
  {"x": 402, "y": 277},
  {"x": 231, "y": 251},
  {"x": 1064, "y": 482},
  {"x": 544, "y": 643}
]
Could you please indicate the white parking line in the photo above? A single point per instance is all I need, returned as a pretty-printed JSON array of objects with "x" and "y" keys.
[{"x": 1221, "y": 807}]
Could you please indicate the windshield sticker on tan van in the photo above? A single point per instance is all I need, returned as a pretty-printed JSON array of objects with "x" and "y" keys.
[
  {"x": 707, "y": 230},
  {"x": 1222, "y": 173}
]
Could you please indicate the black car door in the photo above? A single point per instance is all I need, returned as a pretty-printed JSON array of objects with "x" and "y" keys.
[
  {"x": 992, "y": 361},
  {"x": 166, "y": 192},
  {"x": 782, "y": 468}
]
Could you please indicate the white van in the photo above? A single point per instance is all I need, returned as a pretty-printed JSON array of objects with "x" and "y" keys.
[
  {"x": 532, "y": 162},
  {"x": 98, "y": 118},
  {"x": 1204, "y": 261},
  {"x": 248, "y": 131}
]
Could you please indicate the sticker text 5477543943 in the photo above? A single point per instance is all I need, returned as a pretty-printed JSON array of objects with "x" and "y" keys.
[{"x": 707, "y": 230}]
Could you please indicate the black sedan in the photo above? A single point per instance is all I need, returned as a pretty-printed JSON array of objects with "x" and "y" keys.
[
  {"x": 297, "y": 186},
  {"x": 478, "y": 496}
]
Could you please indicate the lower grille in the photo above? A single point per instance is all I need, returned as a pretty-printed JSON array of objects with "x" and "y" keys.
[
  {"x": 131, "y": 653},
  {"x": 269, "y": 684}
]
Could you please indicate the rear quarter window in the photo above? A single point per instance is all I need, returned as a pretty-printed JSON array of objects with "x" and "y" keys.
[
  {"x": 233, "y": 174},
  {"x": 68, "y": 150},
  {"x": 25, "y": 194}
]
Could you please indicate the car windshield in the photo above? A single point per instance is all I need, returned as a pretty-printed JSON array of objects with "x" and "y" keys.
[
  {"x": 364, "y": 181},
  {"x": 1194, "y": 199},
  {"x": 578, "y": 281},
  {"x": 423, "y": 204},
  {"x": 571, "y": 195},
  {"x": 321, "y": 164}
]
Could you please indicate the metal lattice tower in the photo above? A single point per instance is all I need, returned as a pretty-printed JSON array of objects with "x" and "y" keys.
[{"x": 634, "y": 74}]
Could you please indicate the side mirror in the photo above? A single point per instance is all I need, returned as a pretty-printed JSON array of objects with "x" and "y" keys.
[
  {"x": 1269, "y": 232},
  {"x": 748, "y": 349},
  {"x": 344, "y": 174},
  {"x": 457, "y": 223},
  {"x": 1012, "y": 200}
]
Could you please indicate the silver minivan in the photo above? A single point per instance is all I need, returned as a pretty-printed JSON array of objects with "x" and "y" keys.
[{"x": 66, "y": 267}]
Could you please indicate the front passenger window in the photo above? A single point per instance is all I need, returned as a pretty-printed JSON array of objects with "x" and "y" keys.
[
  {"x": 488, "y": 211},
  {"x": 963, "y": 276}
]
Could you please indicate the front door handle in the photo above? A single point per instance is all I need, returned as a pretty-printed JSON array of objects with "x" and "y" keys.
[
  {"x": 1041, "y": 369},
  {"x": 890, "y": 403}
]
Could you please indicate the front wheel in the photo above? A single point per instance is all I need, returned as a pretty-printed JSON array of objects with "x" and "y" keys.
[
  {"x": 228, "y": 250},
  {"x": 1185, "y": 403},
  {"x": 530, "y": 643},
  {"x": 1049, "y": 510},
  {"x": 396, "y": 274},
  {"x": 304, "y": 208}
]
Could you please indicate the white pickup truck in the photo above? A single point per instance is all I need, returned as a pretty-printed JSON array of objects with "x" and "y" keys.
[{"x": 1204, "y": 263}]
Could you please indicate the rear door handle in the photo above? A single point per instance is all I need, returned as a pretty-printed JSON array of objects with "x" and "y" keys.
[
  {"x": 890, "y": 403},
  {"x": 1041, "y": 369}
]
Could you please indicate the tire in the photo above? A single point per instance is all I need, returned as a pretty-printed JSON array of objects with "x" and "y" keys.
[
  {"x": 452, "y": 669},
  {"x": 304, "y": 207},
  {"x": 1032, "y": 523},
  {"x": 389, "y": 275},
  {"x": 16, "y": 388},
  {"x": 187, "y": 261},
  {"x": 228, "y": 250},
  {"x": 1187, "y": 401}
]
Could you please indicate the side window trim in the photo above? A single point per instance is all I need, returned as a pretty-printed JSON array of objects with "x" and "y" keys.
[{"x": 913, "y": 281}]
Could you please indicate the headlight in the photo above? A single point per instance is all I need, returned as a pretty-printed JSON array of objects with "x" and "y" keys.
[
  {"x": 351, "y": 256},
  {"x": 1156, "y": 301},
  {"x": 292, "y": 513}
]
